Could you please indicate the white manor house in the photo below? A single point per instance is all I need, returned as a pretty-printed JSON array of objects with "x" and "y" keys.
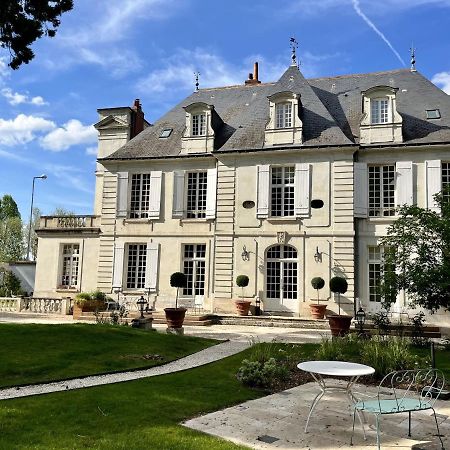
[{"x": 281, "y": 181}]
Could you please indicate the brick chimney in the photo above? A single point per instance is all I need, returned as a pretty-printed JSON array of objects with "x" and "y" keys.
[
  {"x": 137, "y": 119},
  {"x": 253, "y": 78}
]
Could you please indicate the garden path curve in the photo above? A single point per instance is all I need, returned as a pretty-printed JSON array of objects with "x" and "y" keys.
[{"x": 206, "y": 356}]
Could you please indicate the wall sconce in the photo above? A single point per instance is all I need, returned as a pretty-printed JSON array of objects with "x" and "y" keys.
[
  {"x": 318, "y": 256},
  {"x": 245, "y": 254}
]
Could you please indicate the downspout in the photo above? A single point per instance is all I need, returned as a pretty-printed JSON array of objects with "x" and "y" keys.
[{"x": 355, "y": 243}]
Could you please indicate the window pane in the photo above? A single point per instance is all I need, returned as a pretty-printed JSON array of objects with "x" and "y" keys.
[
  {"x": 198, "y": 124},
  {"x": 282, "y": 191},
  {"x": 140, "y": 195},
  {"x": 196, "y": 195},
  {"x": 70, "y": 265},
  {"x": 283, "y": 113},
  {"x": 381, "y": 191},
  {"x": 379, "y": 111},
  {"x": 136, "y": 264},
  {"x": 446, "y": 178},
  {"x": 194, "y": 267}
]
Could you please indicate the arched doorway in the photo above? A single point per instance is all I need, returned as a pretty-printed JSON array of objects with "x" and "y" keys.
[{"x": 281, "y": 278}]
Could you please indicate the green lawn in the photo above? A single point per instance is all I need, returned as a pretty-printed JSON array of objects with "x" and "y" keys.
[{"x": 40, "y": 353}]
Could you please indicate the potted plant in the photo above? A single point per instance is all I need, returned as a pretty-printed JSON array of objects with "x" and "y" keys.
[
  {"x": 242, "y": 306},
  {"x": 339, "y": 324},
  {"x": 88, "y": 302},
  {"x": 175, "y": 316},
  {"x": 318, "y": 310}
]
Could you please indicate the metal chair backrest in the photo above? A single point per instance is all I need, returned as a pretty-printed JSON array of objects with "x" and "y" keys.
[{"x": 412, "y": 389}]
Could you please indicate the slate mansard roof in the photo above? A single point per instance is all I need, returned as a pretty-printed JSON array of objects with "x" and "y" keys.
[{"x": 331, "y": 112}]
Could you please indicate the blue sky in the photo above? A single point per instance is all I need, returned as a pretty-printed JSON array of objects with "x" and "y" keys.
[{"x": 107, "y": 53}]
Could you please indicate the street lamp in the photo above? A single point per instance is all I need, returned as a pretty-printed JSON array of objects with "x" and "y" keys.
[
  {"x": 42, "y": 177},
  {"x": 361, "y": 319},
  {"x": 141, "y": 305}
]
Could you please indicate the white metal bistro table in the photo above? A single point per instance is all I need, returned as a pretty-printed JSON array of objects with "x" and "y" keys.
[{"x": 319, "y": 369}]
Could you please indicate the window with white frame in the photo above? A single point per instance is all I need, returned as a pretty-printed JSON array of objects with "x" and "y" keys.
[
  {"x": 136, "y": 264},
  {"x": 70, "y": 265},
  {"x": 446, "y": 179},
  {"x": 379, "y": 110},
  {"x": 198, "y": 124},
  {"x": 282, "y": 191},
  {"x": 381, "y": 191},
  {"x": 283, "y": 113},
  {"x": 140, "y": 195},
  {"x": 194, "y": 267},
  {"x": 196, "y": 194},
  {"x": 377, "y": 266}
]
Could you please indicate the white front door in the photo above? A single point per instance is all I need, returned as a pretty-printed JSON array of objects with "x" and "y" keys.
[{"x": 281, "y": 279}]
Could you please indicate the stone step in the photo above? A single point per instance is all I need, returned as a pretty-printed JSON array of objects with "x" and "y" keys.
[{"x": 272, "y": 321}]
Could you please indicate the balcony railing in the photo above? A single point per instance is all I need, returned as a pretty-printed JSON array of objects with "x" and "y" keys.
[{"x": 69, "y": 222}]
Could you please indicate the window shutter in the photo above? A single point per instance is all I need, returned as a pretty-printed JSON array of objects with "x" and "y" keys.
[
  {"x": 434, "y": 182},
  {"x": 361, "y": 190},
  {"x": 178, "y": 194},
  {"x": 122, "y": 194},
  {"x": 262, "y": 210},
  {"x": 151, "y": 268},
  {"x": 119, "y": 250},
  {"x": 155, "y": 194},
  {"x": 302, "y": 190},
  {"x": 404, "y": 183},
  {"x": 211, "y": 193}
]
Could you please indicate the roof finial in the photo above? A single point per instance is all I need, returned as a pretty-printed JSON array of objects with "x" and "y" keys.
[
  {"x": 197, "y": 84},
  {"x": 413, "y": 58},
  {"x": 294, "y": 46}
]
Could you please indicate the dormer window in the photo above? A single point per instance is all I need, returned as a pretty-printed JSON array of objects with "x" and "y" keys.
[
  {"x": 379, "y": 108},
  {"x": 198, "y": 125},
  {"x": 380, "y": 122},
  {"x": 284, "y": 115}
]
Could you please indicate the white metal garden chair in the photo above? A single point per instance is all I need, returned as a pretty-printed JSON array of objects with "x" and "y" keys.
[{"x": 404, "y": 391}]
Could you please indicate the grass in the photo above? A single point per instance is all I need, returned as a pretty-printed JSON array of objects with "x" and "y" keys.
[
  {"x": 143, "y": 414},
  {"x": 40, "y": 353}
]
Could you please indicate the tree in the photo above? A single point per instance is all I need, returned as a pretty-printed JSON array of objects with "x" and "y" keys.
[
  {"x": 11, "y": 239},
  {"x": 418, "y": 256},
  {"x": 33, "y": 237},
  {"x": 8, "y": 207},
  {"x": 24, "y": 21},
  {"x": 9, "y": 284},
  {"x": 60, "y": 211}
]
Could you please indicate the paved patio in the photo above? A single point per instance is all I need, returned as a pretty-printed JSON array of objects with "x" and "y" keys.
[{"x": 277, "y": 421}]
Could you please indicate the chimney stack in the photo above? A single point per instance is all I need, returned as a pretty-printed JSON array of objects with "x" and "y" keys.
[
  {"x": 253, "y": 78},
  {"x": 137, "y": 119}
]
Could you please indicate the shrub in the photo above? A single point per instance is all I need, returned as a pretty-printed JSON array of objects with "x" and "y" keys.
[
  {"x": 418, "y": 335},
  {"x": 82, "y": 298},
  {"x": 257, "y": 374},
  {"x": 339, "y": 286},
  {"x": 242, "y": 282},
  {"x": 10, "y": 284},
  {"x": 382, "y": 322},
  {"x": 178, "y": 280},
  {"x": 333, "y": 349},
  {"x": 317, "y": 283},
  {"x": 98, "y": 295}
]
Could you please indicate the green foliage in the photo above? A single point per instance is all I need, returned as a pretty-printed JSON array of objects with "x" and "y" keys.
[
  {"x": 382, "y": 322},
  {"x": 8, "y": 208},
  {"x": 257, "y": 374},
  {"x": 331, "y": 349},
  {"x": 11, "y": 239},
  {"x": 419, "y": 262},
  {"x": 242, "y": 281},
  {"x": 178, "y": 280},
  {"x": 338, "y": 285},
  {"x": 23, "y": 22},
  {"x": 60, "y": 211},
  {"x": 90, "y": 298},
  {"x": 317, "y": 283},
  {"x": 36, "y": 217},
  {"x": 418, "y": 337},
  {"x": 9, "y": 284},
  {"x": 98, "y": 295}
]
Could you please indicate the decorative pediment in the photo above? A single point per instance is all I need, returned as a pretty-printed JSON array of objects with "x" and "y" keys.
[{"x": 110, "y": 122}]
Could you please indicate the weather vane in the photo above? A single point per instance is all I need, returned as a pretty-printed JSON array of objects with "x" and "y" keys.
[
  {"x": 294, "y": 46},
  {"x": 197, "y": 84},
  {"x": 413, "y": 58}
]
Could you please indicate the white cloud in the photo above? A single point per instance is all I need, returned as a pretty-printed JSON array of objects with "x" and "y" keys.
[
  {"x": 15, "y": 98},
  {"x": 71, "y": 133},
  {"x": 23, "y": 129},
  {"x": 442, "y": 79},
  {"x": 92, "y": 151}
]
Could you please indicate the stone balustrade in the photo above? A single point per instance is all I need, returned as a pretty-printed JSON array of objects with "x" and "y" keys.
[
  {"x": 35, "y": 305},
  {"x": 69, "y": 222}
]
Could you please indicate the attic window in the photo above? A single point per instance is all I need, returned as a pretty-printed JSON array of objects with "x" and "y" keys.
[
  {"x": 433, "y": 114},
  {"x": 166, "y": 133}
]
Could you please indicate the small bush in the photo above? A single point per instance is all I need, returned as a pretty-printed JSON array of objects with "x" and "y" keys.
[
  {"x": 98, "y": 295},
  {"x": 418, "y": 333},
  {"x": 10, "y": 284},
  {"x": 178, "y": 280},
  {"x": 333, "y": 349},
  {"x": 382, "y": 322},
  {"x": 257, "y": 374},
  {"x": 318, "y": 283},
  {"x": 338, "y": 285},
  {"x": 242, "y": 281}
]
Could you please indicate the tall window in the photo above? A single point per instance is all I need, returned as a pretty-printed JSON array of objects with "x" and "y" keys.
[
  {"x": 140, "y": 195},
  {"x": 136, "y": 263},
  {"x": 281, "y": 275},
  {"x": 198, "y": 124},
  {"x": 70, "y": 265},
  {"x": 379, "y": 110},
  {"x": 196, "y": 195},
  {"x": 375, "y": 272},
  {"x": 282, "y": 191},
  {"x": 381, "y": 191},
  {"x": 283, "y": 115},
  {"x": 194, "y": 263},
  {"x": 446, "y": 179}
]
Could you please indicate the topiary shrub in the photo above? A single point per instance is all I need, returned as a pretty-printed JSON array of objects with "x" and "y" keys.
[
  {"x": 178, "y": 280},
  {"x": 242, "y": 282},
  {"x": 317, "y": 283},
  {"x": 339, "y": 286}
]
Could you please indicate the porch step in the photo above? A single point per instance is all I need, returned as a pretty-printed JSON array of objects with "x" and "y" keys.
[{"x": 272, "y": 321}]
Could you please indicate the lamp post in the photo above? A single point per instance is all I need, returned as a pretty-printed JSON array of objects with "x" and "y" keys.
[
  {"x": 42, "y": 177},
  {"x": 141, "y": 305},
  {"x": 361, "y": 318}
]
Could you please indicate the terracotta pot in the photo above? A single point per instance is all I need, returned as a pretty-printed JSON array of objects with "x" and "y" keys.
[
  {"x": 89, "y": 306},
  {"x": 242, "y": 307},
  {"x": 175, "y": 317},
  {"x": 317, "y": 311},
  {"x": 339, "y": 325}
]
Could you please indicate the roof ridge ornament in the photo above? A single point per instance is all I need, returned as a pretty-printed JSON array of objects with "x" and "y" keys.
[
  {"x": 294, "y": 46},
  {"x": 197, "y": 84},
  {"x": 413, "y": 58}
]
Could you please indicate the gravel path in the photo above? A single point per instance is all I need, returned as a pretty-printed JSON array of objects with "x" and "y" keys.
[{"x": 201, "y": 358}]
